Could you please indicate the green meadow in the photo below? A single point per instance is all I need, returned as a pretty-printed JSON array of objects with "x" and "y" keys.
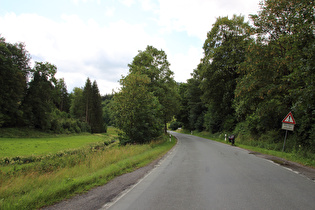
[
  {"x": 37, "y": 172},
  {"x": 10, "y": 147}
]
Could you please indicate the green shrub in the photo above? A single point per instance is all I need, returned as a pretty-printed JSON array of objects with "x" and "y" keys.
[{"x": 174, "y": 125}]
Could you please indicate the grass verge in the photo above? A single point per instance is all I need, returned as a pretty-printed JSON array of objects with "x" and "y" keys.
[
  {"x": 34, "y": 186},
  {"x": 306, "y": 159}
]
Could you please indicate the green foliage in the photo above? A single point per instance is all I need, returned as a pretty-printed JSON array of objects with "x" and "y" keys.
[
  {"x": 38, "y": 102},
  {"x": 153, "y": 63},
  {"x": 90, "y": 103},
  {"x": 106, "y": 108},
  {"x": 86, "y": 107},
  {"x": 14, "y": 69},
  {"x": 224, "y": 50},
  {"x": 97, "y": 121},
  {"x": 136, "y": 111},
  {"x": 77, "y": 108},
  {"x": 183, "y": 113},
  {"x": 87, "y": 100},
  {"x": 148, "y": 98},
  {"x": 248, "y": 85},
  {"x": 62, "y": 123},
  {"x": 62, "y": 96},
  {"x": 174, "y": 125},
  {"x": 35, "y": 98},
  {"x": 278, "y": 72},
  {"x": 192, "y": 109}
]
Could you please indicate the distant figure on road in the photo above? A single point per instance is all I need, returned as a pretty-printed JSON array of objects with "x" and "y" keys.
[{"x": 232, "y": 139}]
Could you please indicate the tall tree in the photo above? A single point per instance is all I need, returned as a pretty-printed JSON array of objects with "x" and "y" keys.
[
  {"x": 153, "y": 63},
  {"x": 97, "y": 121},
  {"x": 224, "y": 50},
  {"x": 136, "y": 111},
  {"x": 87, "y": 97},
  {"x": 183, "y": 113},
  {"x": 62, "y": 96},
  {"x": 197, "y": 108},
  {"x": 279, "y": 67},
  {"x": 77, "y": 108},
  {"x": 14, "y": 70},
  {"x": 192, "y": 109},
  {"x": 106, "y": 99},
  {"x": 38, "y": 102}
]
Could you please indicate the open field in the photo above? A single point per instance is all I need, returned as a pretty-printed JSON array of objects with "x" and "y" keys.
[
  {"x": 26, "y": 142},
  {"x": 10, "y": 147},
  {"x": 56, "y": 176}
]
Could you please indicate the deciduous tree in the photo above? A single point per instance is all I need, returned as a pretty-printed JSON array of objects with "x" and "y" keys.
[
  {"x": 224, "y": 50},
  {"x": 278, "y": 73},
  {"x": 153, "y": 63},
  {"x": 14, "y": 70},
  {"x": 136, "y": 111},
  {"x": 38, "y": 102}
]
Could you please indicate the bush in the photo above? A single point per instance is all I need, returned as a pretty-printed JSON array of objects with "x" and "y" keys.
[
  {"x": 174, "y": 125},
  {"x": 85, "y": 127}
]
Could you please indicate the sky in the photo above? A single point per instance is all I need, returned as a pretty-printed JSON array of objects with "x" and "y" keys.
[{"x": 99, "y": 38}]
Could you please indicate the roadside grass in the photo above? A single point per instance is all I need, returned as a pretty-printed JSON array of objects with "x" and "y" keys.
[
  {"x": 14, "y": 143},
  {"x": 10, "y": 147},
  {"x": 38, "y": 184},
  {"x": 304, "y": 158}
]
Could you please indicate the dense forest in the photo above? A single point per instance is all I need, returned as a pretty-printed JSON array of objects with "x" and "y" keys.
[
  {"x": 251, "y": 76},
  {"x": 33, "y": 97}
]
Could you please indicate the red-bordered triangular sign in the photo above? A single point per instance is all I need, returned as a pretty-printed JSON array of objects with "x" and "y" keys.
[{"x": 289, "y": 119}]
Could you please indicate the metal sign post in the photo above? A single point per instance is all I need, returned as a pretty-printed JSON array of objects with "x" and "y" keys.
[
  {"x": 287, "y": 124},
  {"x": 285, "y": 138}
]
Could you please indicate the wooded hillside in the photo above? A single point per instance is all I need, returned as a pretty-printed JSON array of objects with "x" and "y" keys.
[{"x": 251, "y": 76}]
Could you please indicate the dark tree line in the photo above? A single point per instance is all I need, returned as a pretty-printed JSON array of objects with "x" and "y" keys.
[
  {"x": 251, "y": 76},
  {"x": 34, "y": 97}
]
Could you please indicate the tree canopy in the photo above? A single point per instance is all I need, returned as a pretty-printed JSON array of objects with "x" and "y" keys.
[
  {"x": 33, "y": 97},
  {"x": 153, "y": 63},
  {"x": 251, "y": 76},
  {"x": 148, "y": 97},
  {"x": 14, "y": 71},
  {"x": 224, "y": 51}
]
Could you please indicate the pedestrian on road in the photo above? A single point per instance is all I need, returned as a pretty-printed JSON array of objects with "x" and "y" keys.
[{"x": 232, "y": 139}]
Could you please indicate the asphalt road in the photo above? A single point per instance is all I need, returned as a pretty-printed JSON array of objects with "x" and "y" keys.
[{"x": 203, "y": 174}]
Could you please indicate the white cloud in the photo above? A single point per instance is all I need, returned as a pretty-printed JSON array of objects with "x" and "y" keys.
[
  {"x": 80, "y": 49},
  {"x": 148, "y": 5},
  {"x": 101, "y": 50},
  {"x": 127, "y": 3},
  {"x": 110, "y": 11},
  {"x": 196, "y": 17},
  {"x": 76, "y": 2},
  {"x": 183, "y": 64}
]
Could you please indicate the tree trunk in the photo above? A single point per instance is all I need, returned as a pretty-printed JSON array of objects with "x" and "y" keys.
[{"x": 165, "y": 127}]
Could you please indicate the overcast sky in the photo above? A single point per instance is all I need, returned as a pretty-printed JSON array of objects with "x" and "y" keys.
[{"x": 99, "y": 38}]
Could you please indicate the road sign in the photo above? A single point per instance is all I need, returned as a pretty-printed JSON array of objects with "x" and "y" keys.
[
  {"x": 289, "y": 119},
  {"x": 287, "y": 126}
]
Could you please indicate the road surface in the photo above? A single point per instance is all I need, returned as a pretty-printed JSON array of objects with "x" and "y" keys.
[{"x": 204, "y": 174}]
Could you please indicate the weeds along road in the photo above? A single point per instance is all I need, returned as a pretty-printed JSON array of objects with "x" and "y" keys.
[{"x": 203, "y": 174}]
